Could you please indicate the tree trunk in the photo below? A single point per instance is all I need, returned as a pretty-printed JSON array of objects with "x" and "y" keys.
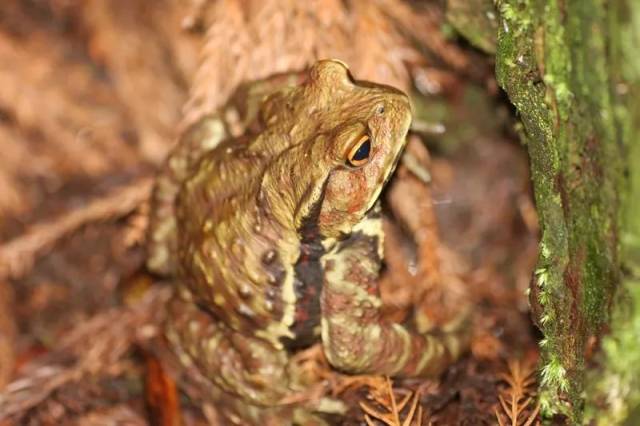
[
  {"x": 613, "y": 389},
  {"x": 566, "y": 66}
]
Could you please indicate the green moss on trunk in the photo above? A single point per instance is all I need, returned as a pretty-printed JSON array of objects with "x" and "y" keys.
[
  {"x": 613, "y": 388},
  {"x": 553, "y": 62}
]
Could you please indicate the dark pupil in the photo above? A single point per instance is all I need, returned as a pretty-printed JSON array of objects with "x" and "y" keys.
[{"x": 362, "y": 152}]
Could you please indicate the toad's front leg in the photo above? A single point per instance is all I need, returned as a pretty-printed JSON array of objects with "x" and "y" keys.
[{"x": 355, "y": 337}]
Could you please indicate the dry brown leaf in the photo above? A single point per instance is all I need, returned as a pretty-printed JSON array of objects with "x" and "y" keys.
[{"x": 161, "y": 394}]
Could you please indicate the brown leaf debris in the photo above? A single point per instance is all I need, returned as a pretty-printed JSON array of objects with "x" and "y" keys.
[
  {"x": 161, "y": 394},
  {"x": 95, "y": 346},
  {"x": 18, "y": 255},
  {"x": 393, "y": 408},
  {"x": 244, "y": 36},
  {"x": 517, "y": 399}
]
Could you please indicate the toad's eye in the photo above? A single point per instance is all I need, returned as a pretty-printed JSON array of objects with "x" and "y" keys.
[{"x": 359, "y": 154}]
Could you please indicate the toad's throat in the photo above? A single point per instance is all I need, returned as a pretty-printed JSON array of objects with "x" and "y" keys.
[{"x": 307, "y": 282}]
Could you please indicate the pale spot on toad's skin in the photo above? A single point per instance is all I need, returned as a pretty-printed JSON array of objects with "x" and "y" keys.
[
  {"x": 245, "y": 310},
  {"x": 185, "y": 294},
  {"x": 238, "y": 248},
  {"x": 212, "y": 344},
  {"x": 215, "y": 131},
  {"x": 245, "y": 290},
  {"x": 194, "y": 327},
  {"x": 271, "y": 293},
  {"x": 185, "y": 359},
  {"x": 269, "y": 256}
]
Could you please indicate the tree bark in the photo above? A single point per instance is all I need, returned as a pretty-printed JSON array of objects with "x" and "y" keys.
[
  {"x": 562, "y": 63},
  {"x": 613, "y": 388}
]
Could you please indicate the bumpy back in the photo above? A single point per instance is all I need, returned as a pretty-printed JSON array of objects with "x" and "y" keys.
[
  {"x": 204, "y": 136},
  {"x": 233, "y": 120}
]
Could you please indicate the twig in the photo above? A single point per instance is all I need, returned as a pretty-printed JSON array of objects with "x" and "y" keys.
[{"x": 18, "y": 255}]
